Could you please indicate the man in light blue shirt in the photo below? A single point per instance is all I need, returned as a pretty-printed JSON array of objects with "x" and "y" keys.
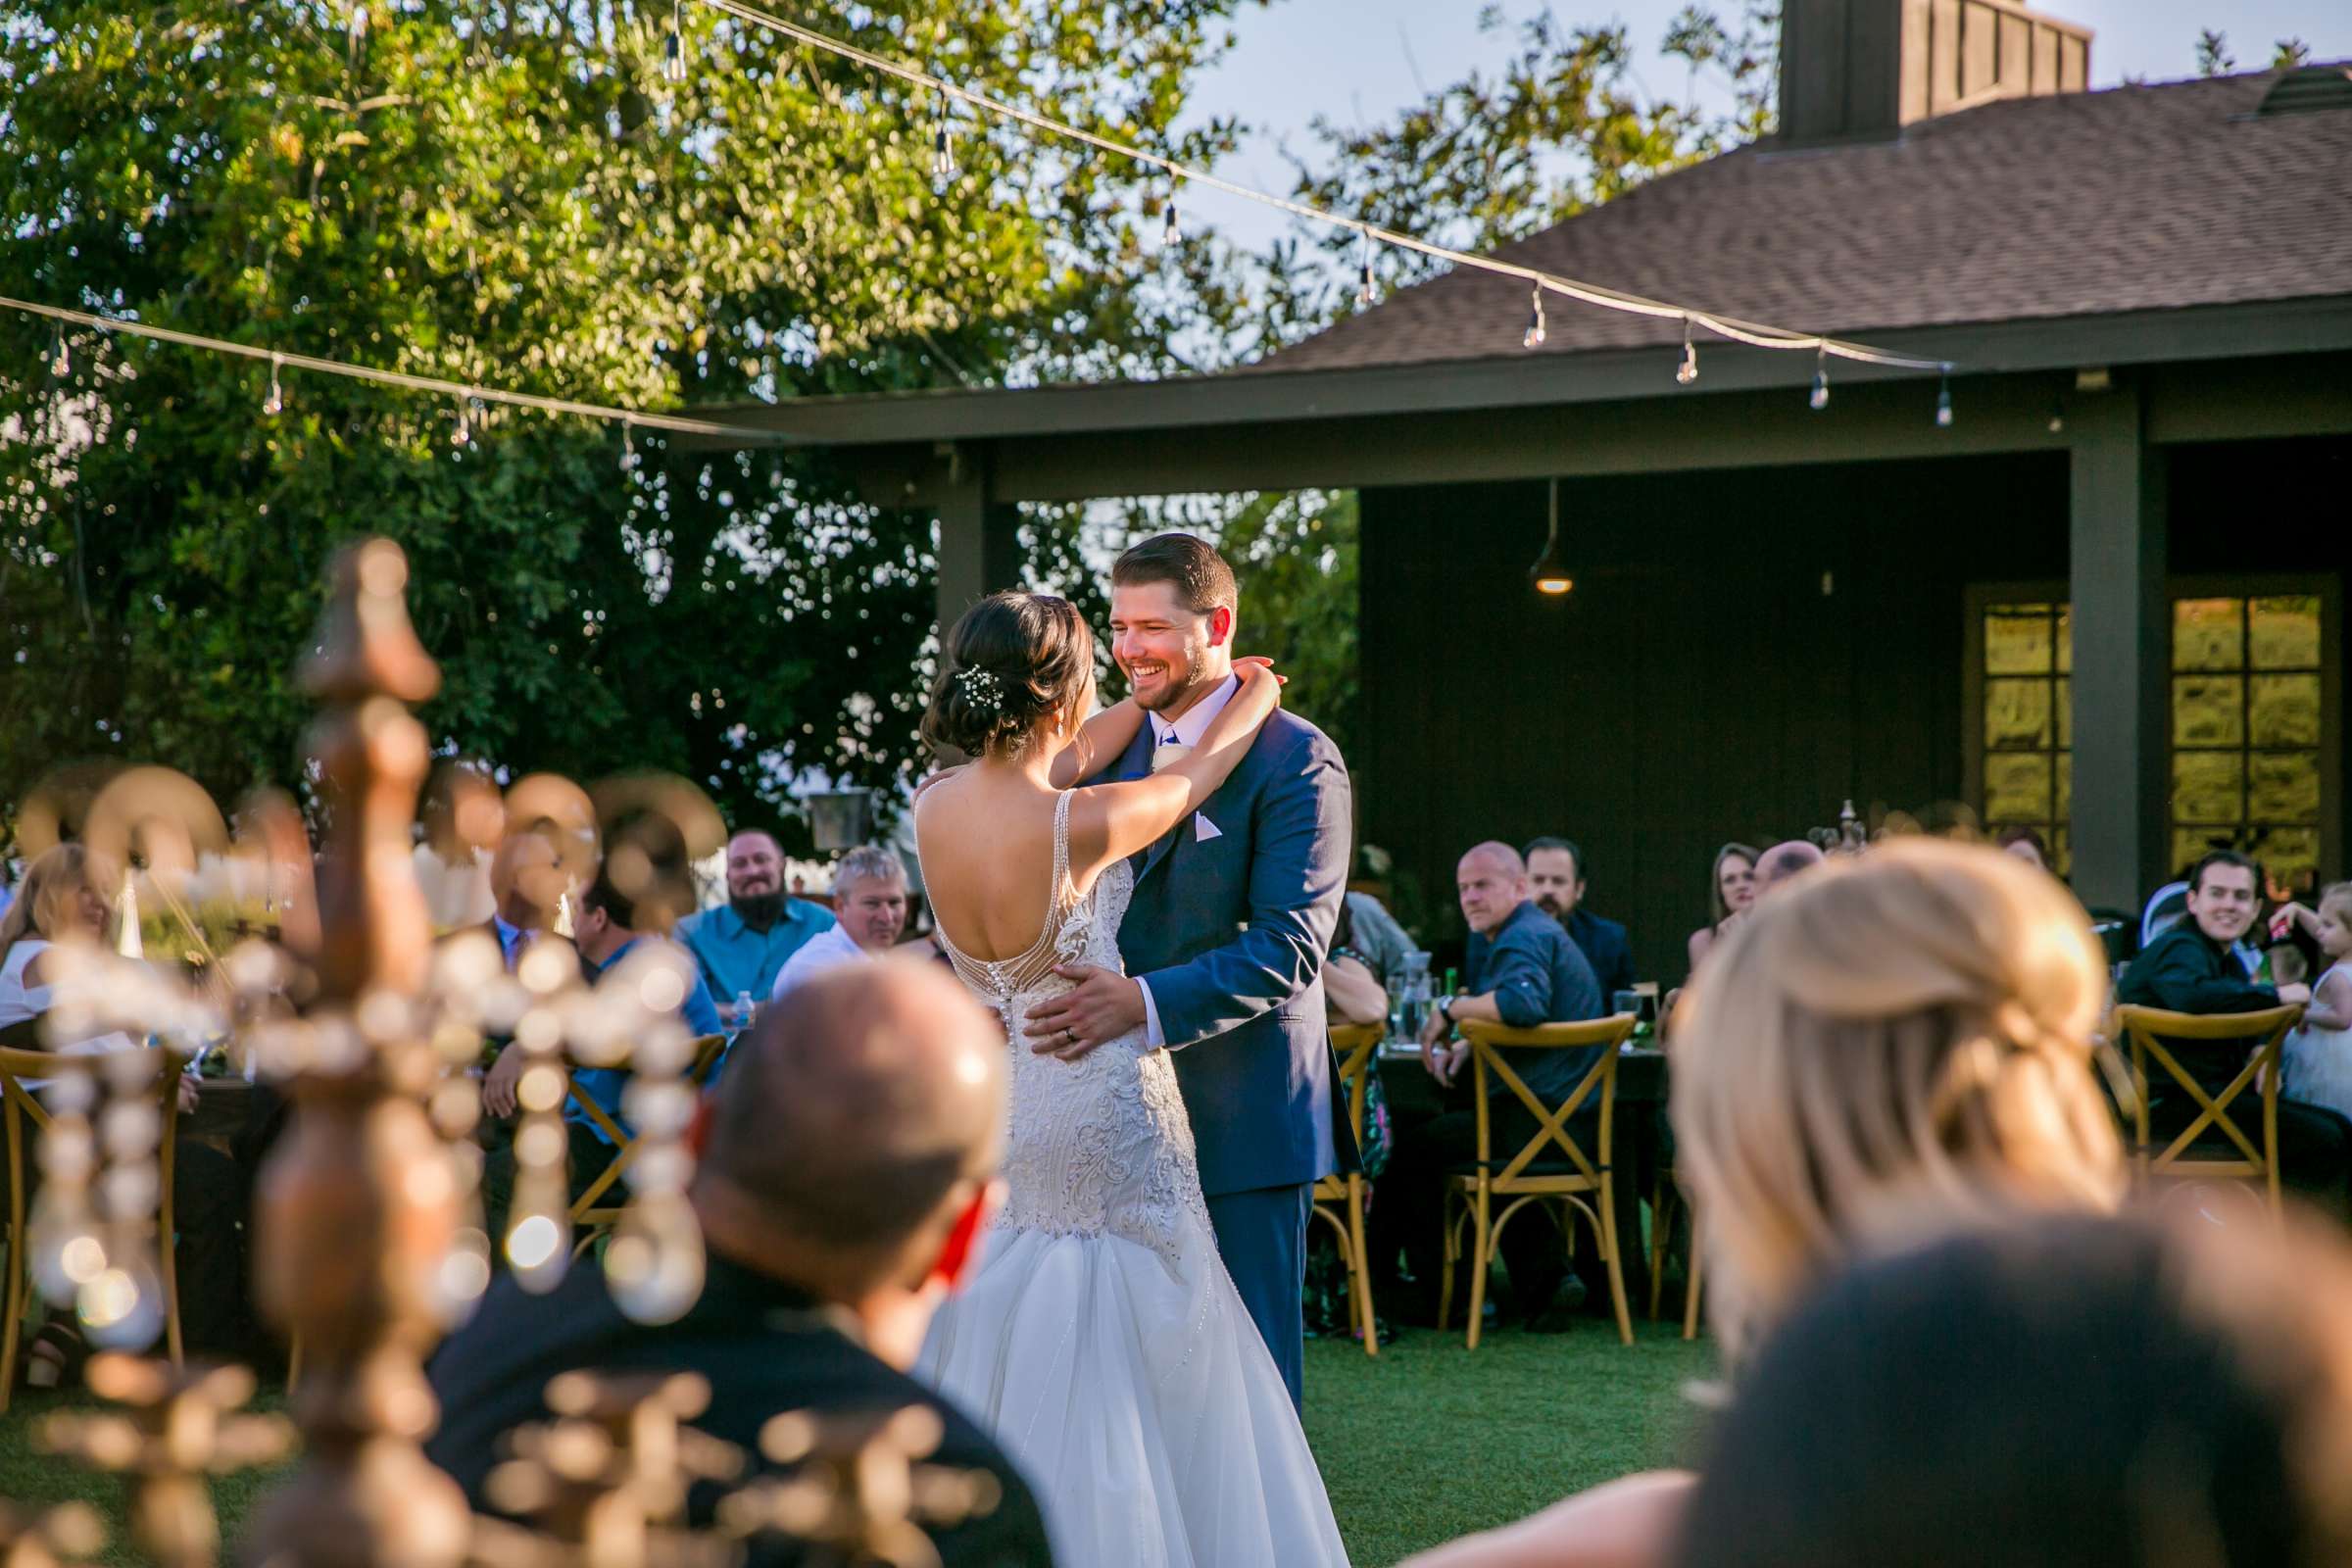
[
  {"x": 605, "y": 930},
  {"x": 743, "y": 944}
]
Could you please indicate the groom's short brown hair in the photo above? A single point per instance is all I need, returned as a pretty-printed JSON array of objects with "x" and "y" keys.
[{"x": 1203, "y": 582}]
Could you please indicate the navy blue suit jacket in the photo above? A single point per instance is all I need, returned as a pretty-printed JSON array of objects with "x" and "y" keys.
[
  {"x": 1230, "y": 933},
  {"x": 1607, "y": 948}
]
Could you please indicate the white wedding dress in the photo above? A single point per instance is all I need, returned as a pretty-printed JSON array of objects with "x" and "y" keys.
[{"x": 1101, "y": 1340}]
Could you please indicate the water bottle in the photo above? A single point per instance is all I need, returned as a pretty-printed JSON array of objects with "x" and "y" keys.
[{"x": 743, "y": 1012}]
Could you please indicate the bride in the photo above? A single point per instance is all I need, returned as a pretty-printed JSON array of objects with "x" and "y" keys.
[{"x": 1101, "y": 1340}]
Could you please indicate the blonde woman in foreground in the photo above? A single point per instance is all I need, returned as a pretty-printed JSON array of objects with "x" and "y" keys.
[{"x": 1890, "y": 1045}]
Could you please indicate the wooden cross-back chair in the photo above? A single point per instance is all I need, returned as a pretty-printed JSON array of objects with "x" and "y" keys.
[
  {"x": 1549, "y": 1167},
  {"x": 2153, "y": 1033},
  {"x": 1339, "y": 1200},
  {"x": 590, "y": 1214},
  {"x": 1665, "y": 1199},
  {"x": 26, "y": 1118}
]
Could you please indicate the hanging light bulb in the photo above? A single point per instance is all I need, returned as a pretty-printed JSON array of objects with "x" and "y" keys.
[
  {"x": 1943, "y": 400},
  {"x": 673, "y": 45},
  {"x": 60, "y": 363},
  {"x": 462, "y": 434},
  {"x": 629, "y": 446},
  {"x": 1821, "y": 378},
  {"x": 1171, "y": 234},
  {"x": 1535, "y": 321},
  {"x": 275, "y": 403},
  {"x": 1551, "y": 579},
  {"x": 1688, "y": 371},
  {"x": 943, "y": 149},
  {"x": 1367, "y": 290}
]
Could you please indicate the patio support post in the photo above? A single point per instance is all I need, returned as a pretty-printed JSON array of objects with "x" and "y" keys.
[
  {"x": 2122, "y": 652},
  {"x": 979, "y": 551}
]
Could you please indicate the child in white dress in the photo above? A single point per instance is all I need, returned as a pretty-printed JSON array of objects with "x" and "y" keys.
[{"x": 2319, "y": 1054}]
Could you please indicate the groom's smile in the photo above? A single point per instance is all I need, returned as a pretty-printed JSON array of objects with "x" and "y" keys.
[{"x": 1171, "y": 656}]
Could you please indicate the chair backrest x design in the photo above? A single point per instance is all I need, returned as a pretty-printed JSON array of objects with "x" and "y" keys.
[
  {"x": 1534, "y": 1167},
  {"x": 25, "y": 1118},
  {"x": 1353, "y": 1044},
  {"x": 586, "y": 1209},
  {"x": 2158, "y": 1034}
]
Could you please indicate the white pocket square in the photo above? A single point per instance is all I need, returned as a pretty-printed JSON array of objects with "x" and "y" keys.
[{"x": 1203, "y": 829}]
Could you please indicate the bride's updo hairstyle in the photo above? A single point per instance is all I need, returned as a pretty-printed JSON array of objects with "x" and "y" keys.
[
  {"x": 1011, "y": 663},
  {"x": 1889, "y": 1044}
]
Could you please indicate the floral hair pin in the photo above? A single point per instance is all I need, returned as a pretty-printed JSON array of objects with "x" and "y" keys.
[{"x": 981, "y": 687}]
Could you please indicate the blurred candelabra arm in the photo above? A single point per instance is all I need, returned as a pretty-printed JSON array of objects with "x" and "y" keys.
[
  {"x": 856, "y": 1492},
  {"x": 605, "y": 1483},
  {"x": 177, "y": 1425},
  {"x": 69, "y": 1533},
  {"x": 356, "y": 1208}
]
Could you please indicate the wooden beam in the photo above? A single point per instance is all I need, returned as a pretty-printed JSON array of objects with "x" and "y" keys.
[
  {"x": 979, "y": 549},
  {"x": 2309, "y": 331},
  {"x": 2122, "y": 651},
  {"x": 1869, "y": 421}
]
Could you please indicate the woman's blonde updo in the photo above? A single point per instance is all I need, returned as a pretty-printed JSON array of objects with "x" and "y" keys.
[
  {"x": 1887, "y": 1042},
  {"x": 1012, "y": 663}
]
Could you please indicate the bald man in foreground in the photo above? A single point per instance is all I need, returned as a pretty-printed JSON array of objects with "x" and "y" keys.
[
  {"x": 846, "y": 1175},
  {"x": 1522, "y": 969},
  {"x": 1785, "y": 860}
]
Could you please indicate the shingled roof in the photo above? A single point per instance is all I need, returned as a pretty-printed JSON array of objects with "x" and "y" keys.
[{"x": 2087, "y": 203}]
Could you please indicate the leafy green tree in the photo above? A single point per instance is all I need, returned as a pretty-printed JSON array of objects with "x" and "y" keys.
[{"x": 512, "y": 193}]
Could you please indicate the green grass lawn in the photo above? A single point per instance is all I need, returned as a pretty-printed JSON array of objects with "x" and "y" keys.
[
  {"x": 1431, "y": 1440},
  {"x": 1425, "y": 1443}
]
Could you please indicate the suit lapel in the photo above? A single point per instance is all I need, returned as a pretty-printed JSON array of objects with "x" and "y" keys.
[{"x": 1226, "y": 792}]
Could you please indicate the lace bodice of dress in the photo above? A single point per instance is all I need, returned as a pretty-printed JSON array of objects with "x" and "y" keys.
[{"x": 1100, "y": 1143}]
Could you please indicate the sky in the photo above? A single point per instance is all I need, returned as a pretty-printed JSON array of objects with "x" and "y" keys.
[{"x": 1356, "y": 62}]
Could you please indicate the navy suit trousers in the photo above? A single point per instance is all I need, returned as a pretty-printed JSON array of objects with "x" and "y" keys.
[{"x": 1262, "y": 1237}]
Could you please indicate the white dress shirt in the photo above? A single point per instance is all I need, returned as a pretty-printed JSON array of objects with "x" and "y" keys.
[
  {"x": 829, "y": 949},
  {"x": 1186, "y": 732}
]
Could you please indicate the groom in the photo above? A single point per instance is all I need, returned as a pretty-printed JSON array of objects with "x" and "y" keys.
[{"x": 1225, "y": 936}]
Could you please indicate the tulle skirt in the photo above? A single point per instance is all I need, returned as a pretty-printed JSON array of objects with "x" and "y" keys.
[{"x": 1133, "y": 1390}]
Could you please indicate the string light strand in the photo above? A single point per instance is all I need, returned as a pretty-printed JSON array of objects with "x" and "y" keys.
[
  {"x": 458, "y": 391},
  {"x": 1757, "y": 334}
]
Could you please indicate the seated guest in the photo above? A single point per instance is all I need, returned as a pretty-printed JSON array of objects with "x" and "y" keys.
[
  {"x": 1877, "y": 1054},
  {"x": 2027, "y": 845},
  {"x": 59, "y": 903},
  {"x": 1555, "y": 876},
  {"x": 2319, "y": 1054},
  {"x": 743, "y": 943},
  {"x": 1522, "y": 971},
  {"x": 1379, "y": 940},
  {"x": 2071, "y": 1394},
  {"x": 605, "y": 931},
  {"x": 2192, "y": 967},
  {"x": 870, "y": 901},
  {"x": 1352, "y": 991},
  {"x": 845, "y": 1180},
  {"x": 1783, "y": 861},
  {"x": 526, "y": 887},
  {"x": 1733, "y": 887}
]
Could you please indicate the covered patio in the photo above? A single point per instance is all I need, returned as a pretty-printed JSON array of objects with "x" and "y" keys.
[{"x": 2146, "y": 297}]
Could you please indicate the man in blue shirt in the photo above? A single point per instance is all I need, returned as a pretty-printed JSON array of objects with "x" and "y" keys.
[
  {"x": 1523, "y": 971},
  {"x": 742, "y": 944},
  {"x": 603, "y": 930},
  {"x": 1555, "y": 879}
]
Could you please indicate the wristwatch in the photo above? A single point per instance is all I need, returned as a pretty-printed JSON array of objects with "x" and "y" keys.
[{"x": 1445, "y": 1010}]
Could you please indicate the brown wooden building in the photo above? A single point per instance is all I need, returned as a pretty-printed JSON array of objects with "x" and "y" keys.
[{"x": 2106, "y": 601}]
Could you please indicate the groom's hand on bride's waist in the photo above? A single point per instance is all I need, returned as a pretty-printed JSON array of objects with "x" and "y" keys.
[{"x": 1099, "y": 1006}]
